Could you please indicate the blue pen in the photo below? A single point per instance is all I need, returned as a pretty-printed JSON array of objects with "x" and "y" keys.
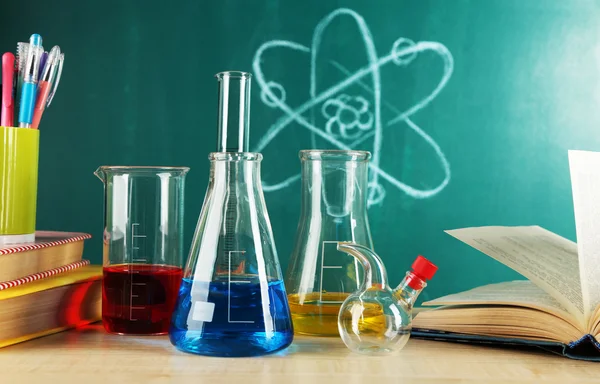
[{"x": 30, "y": 79}]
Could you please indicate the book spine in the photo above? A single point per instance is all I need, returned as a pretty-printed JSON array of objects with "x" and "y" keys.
[{"x": 42, "y": 275}]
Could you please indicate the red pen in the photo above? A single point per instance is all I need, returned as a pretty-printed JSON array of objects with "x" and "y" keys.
[
  {"x": 49, "y": 75},
  {"x": 8, "y": 76}
]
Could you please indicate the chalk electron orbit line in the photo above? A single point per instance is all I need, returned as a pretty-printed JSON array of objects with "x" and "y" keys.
[{"x": 403, "y": 52}]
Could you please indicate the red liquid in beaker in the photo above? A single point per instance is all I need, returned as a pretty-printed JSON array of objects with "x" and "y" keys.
[{"x": 139, "y": 299}]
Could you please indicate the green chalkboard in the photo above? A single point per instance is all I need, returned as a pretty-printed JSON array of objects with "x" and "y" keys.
[{"x": 471, "y": 107}]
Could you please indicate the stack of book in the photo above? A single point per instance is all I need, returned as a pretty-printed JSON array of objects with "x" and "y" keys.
[{"x": 46, "y": 287}]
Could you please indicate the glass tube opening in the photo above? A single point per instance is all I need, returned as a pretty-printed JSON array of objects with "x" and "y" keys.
[{"x": 233, "y": 119}]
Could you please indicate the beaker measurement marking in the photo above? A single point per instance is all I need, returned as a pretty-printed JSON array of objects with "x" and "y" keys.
[
  {"x": 133, "y": 225},
  {"x": 131, "y": 309},
  {"x": 135, "y": 236},
  {"x": 323, "y": 267},
  {"x": 229, "y": 292},
  {"x": 133, "y": 272}
]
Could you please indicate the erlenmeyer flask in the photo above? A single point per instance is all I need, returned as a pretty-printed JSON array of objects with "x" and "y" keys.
[
  {"x": 334, "y": 209},
  {"x": 232, "y": 300}
]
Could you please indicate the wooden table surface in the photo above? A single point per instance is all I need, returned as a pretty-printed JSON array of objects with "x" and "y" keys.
[{"x": 89, "y": 355}]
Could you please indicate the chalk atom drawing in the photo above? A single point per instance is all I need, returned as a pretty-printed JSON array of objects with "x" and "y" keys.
[{"x": 353, "y": 119}]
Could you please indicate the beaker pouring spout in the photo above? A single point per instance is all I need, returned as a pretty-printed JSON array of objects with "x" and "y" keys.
[{"x": 101, "y": 174}]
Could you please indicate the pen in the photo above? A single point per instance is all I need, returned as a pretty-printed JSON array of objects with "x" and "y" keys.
[
  {"x": 30, "y": 79},
  {"x": 43, "y": 59},
  {"x": 60, "y": 69},
  {"x": 22, "y": 49},
  {"x": 49, "y": 74},
  {"x": 8, "y": 73}
]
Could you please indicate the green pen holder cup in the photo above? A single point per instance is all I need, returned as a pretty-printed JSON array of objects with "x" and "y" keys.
[{"x": 18, "y": 184}]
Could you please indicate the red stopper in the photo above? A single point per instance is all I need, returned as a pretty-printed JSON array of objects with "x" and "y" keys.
[{"x": 424, "y": 268}]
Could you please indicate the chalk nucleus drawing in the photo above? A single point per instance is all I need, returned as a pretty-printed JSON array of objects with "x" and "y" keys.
[{"x": 351, "y": 119}]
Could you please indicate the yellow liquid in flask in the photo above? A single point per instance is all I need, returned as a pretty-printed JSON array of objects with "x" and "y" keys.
[
  {"x": 317, "y": 314},
  {"x": 316, "y": 317}
]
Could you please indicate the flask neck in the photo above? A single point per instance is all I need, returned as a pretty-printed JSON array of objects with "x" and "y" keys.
[
  {"x": 235, "y": 167},
  {"x": 233, "y": 118},
  {"x": 334, "y": 188},
  {"x": 409, "y": 289}
]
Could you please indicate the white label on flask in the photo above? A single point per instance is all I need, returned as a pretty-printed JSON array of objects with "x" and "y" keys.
[{"x": 203, "y": 311}]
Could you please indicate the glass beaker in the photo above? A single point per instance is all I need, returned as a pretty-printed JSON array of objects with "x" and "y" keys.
[
  {"x": 334, "y": 209},
  {"x": 143, "y": 247},
  {"x": 232, "y": 301}
]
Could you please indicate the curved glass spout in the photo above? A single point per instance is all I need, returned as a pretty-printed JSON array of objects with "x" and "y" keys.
[{"x": 373, "y": 266}]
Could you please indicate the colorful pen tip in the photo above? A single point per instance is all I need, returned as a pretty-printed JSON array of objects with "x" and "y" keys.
[{"x": 36, "y": 39}]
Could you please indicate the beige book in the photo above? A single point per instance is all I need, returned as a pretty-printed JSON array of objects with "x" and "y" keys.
[
  {"x": 550, "y": 306},
  {"x": 560, "y": 301},
  {"x": 50, "y": 250}
]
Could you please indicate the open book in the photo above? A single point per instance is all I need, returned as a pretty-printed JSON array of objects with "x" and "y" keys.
[{"x": 558, "y": 308}]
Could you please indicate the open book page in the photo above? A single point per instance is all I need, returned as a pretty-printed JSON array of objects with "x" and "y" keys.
[
  {"x": 585, "y": 181},
  {"x": 594, "y": 323},
  {"x": 516, "y": 293},
  {"x": 548, "y": 260}
]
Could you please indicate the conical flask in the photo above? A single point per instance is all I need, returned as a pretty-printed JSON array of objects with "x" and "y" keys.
[
  {"x": 334, "y": 209},
  {"x": 232, "y": 300}
]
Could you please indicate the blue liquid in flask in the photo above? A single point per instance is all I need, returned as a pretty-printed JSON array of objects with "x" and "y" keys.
[{"x": 238, "y": 326}]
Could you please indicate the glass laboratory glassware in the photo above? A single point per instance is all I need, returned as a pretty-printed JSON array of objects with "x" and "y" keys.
[
  {"x": 334, "y": 209},
  {"x": 377, "y": 319},
  {"x": 232, "y": 300},
  {"x": 143, "y": 247}
]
